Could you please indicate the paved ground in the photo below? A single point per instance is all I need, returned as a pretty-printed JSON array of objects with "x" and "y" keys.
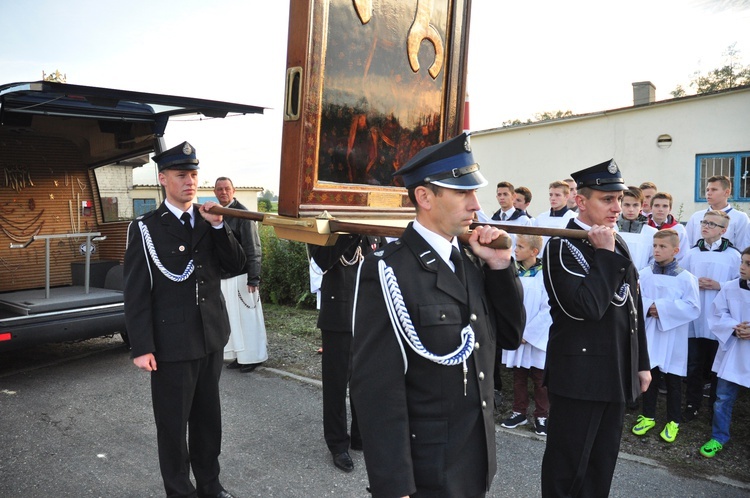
[{"x": 84, "y": 428}]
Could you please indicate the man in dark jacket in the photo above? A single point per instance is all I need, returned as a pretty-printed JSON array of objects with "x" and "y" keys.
[
  {"x": 427, "y": 319},
  {"x": 596, "y": 356},
  {"x": 177, "y": 322},
  {"x": 339, "y": 264},
  {"x": 247, "y": 345}
]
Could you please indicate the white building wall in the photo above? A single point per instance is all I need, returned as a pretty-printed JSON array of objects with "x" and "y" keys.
[{"x": 535, "y": 155}]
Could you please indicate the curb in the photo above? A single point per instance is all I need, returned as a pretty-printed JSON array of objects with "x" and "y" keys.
[{"x": 625, "y": 456}]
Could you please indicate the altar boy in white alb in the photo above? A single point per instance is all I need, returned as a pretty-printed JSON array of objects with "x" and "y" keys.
[
  {"x": 713, "y": 260},
  {"x": 671, "y": 301},
  {"x": 730, "y": 323},
  {"x": 528, "y": 360}
]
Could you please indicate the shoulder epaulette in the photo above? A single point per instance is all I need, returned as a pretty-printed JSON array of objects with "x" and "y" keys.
[
  {"x": 145, "y": 215},
  {"x": 389, "y": 249}
]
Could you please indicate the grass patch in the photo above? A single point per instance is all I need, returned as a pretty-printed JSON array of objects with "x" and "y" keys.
[{"x": 293, "y": 339}]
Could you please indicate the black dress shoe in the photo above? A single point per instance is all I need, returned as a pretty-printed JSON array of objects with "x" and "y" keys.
[
  {"x": 221, "y": 494},
  {"x": 249, "y": 367},
  {"x": 343, "y": 461},
  {"x": 233, "y": 365}
]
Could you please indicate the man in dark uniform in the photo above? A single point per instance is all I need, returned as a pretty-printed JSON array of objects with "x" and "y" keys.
[
  {"x": 339, "y": 264},
  {"x": 428, "y": 316},
  {"x": 596, "y": 356},
  {"x": 177, "y": 322}
]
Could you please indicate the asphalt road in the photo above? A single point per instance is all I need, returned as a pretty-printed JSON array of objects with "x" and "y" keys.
[{"x": 82, "y": 426}]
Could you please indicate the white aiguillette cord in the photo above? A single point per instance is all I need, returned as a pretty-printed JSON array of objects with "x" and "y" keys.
[{"x": 403, "y": 326}]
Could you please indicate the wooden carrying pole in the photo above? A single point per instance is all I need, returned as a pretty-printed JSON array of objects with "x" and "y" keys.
[{"x": 340, "y": 226}]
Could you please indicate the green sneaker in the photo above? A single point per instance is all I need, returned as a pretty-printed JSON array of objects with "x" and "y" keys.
[
  {"x": 670, "y": 431},
  {"x": 643, "y": 425},
  {"x": 711, "y": 448}
]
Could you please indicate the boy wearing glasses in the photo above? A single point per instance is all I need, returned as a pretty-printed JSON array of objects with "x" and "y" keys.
[
  {"x": 718, "y": 192},
  {"x": 713, "y": 260}
]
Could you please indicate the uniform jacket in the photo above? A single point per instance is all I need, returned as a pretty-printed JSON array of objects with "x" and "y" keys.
[
  {"x": 419, "y": 430},
  {"x": 597, "y": 344},
  {"x": 518, "y": 217},
  {"x": 185, "y": 320},
  {"x": 337, "y": 288},
  {"x": 246, "y": 233}
]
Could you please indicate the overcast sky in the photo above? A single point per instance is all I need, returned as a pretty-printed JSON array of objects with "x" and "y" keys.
[{"x": 524, "y": 58}]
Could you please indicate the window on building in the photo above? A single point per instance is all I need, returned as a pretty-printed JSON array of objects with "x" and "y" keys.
[
  {"x": 736, "y": 166},
  {"x": 143, "y": 206}
]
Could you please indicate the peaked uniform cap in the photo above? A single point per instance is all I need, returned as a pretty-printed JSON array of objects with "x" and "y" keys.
[
  {"x": 603, "y": 176},
  {"x": 179, "y": 157},
  {"x": 449, "y": 164}
]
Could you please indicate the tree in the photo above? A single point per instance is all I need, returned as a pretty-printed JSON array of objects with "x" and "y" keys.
[
  {"x": 267, "y": 194},
  {"x": 539, "y": 116},
  {"x": 732, "y": 74},
  {"x": 264, "y": 205}
]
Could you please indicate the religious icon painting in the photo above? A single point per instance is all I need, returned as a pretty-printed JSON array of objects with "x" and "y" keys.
[{"x": 369, "y": 84}]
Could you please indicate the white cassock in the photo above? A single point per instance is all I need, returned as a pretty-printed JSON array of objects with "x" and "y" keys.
[
  {"x": 720, "y": 266},
  {"x": 247, "y": 342},
  {"x": 545, "y": 220},
  {"x": 684, "y": 242},
  {"x": 640, "y": 245},
  {"x": 731, "y": 306},
  {"x": 538, "y": 321},
  {"x": 677, "y": 300}
]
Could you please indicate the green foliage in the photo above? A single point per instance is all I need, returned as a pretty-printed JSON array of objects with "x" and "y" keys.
[
  {"x": 285, "y": 277},
  {"x": 678, "y": 92},
  {"x": 264, "y": 205},
  {"x": 548, "y": 115},
  {"x": 539, "y": 116},
  {"x": 731, "y": 75}
]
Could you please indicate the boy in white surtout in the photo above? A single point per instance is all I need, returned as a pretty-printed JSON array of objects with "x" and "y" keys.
[
  {"x": 730, "y": 322},
  {"x": 635, "y": 231},
  {"x": 528, "y": 360},
  {"x": 670, "y": 302},
  {"x": 718, "y": 192},
  {"x": 661, "y": 217},
  {"x": 558, "y": 214},
  {"x": 713, "y": 260}
]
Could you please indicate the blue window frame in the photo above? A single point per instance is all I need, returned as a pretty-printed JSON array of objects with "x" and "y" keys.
[
  {"x": 143, "y": 206},
  {"x": 735, "y": 165}
]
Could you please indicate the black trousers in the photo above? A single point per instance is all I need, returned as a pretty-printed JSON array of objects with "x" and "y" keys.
[
  {"x": 674, "y": 396},
  {"x": 185, "y": 395},
  {"x": 701, "y": 354},
  {"x": 336, "y": 371},
  {"x": 582, "y": 445}
]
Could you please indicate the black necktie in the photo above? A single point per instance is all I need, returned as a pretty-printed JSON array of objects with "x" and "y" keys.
[
  {"x": 458, "y": 262},
  {"x": 504, "y": 217},
  {"x": 186, "y": 221}
]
